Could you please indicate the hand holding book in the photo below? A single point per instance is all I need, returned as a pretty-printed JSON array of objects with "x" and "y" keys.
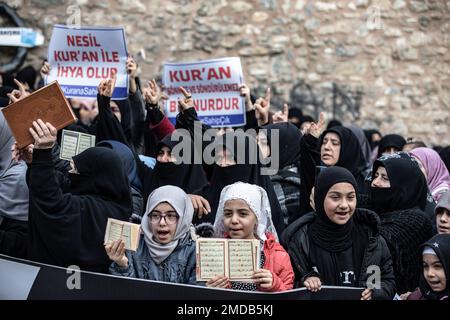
[
  {"x": 116, "y": 252},
  {"x": 44, "y": 134}
]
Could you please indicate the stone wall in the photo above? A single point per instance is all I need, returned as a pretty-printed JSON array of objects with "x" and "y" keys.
[{"x": 389, "y": 61}]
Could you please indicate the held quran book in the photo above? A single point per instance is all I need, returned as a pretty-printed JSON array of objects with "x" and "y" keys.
[
  {"x": 73, "y": 143},
  {"x": 47, "y": 103},
  {"x": 128, "y": 232},
  {"x": 235, "y": 258}
]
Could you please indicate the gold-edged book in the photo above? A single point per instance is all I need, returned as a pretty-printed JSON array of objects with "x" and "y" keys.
[
  {"x": 48, "y": 104},
  {"x": 128, "y": 232}
]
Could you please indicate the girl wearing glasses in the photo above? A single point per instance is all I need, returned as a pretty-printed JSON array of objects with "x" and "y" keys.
[{"x": 166, "y": 249}]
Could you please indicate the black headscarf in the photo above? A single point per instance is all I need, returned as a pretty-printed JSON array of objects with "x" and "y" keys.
[
  {"x": 325, "y": 233},
  {"x": 247, "y": 169},
  {"x": 365, "y": 146},
  {"x": 408, "y": 184},
  {"x": 27, "y": 75},
  {"x": 295, "y": 112},
  {"x": 350, "y": 156},
  {"x": 440, "y": 243},
  {"x": 334, "y": 123},
  {"x": 72, "y": 230},
  {"x": 289, "y": 142},
  {"x": 445, "y": 156},
  {"x": 329, "y": 239},
  {"x": 3, "y": 102},
  {"x": 128, "y": 160},
  {"x": 189, "y": 177},
  {"x": 391, "y": 140},
  {"x": 101, "y": 173},
  {"x": 369, "y": 134}
]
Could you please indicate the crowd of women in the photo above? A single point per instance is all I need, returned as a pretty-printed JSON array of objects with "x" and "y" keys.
[{"x": 346, "y": 207}]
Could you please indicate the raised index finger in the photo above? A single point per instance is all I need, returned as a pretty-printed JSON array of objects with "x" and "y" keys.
[
  {"x": 20, "y": 85},
  {"x": 185, "y": 93}
]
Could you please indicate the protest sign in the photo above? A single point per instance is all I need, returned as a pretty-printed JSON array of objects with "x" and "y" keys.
[
  {"x": 81, "y": 58},
  {"x": 214, "y": 85}
]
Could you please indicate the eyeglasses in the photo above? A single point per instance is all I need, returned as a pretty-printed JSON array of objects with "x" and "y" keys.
[{"x": 170, "y": 218}]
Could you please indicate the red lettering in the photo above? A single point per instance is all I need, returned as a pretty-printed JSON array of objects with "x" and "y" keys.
[
  {"x": 115, "y": 56},
  {"x": 212, "y": 74},
  {"x": 226, "y": 73},
  {"x": 82, "y": 41},
  {"x": 219, "y": 104},
  {"x": 173, "y": 106},
  {"x": 173, "y": 76},
  {"x": 210, "y": 104},
  {"x": 196, "y": 75},
  {"x": 235, "y": 102}
]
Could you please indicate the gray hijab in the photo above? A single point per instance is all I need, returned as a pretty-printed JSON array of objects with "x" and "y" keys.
[
  {"x": 13, "y": 186},
  {"x": 182, "y": 204}
]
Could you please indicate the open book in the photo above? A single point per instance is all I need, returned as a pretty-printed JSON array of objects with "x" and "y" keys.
[
  {"x": 47, "y": 103},
  {"x": 73, "y": 143},
  {"x": 128, "y": 232},
  {"x": 234, "y": 258}
]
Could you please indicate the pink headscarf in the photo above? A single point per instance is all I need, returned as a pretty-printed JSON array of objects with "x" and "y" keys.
[{"x": 438, "y": 178}]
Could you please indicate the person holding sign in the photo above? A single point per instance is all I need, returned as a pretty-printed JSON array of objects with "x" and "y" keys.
[
  {"x": 244, "y": 213},
  {"x": 66, "y": 227},
  {"x": 166, "y": 249},
  {"x": 339, "y": 245}
]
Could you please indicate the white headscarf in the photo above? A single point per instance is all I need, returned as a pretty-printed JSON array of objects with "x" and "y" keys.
[
  {"x": 13, "y": 186},
  {"x": 257, "y": 200},
  {"x": 182, "y": 204}
]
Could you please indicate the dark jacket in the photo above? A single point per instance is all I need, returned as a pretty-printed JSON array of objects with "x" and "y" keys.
[
  {"x": 13, "y": 237},
  {"x": 404, "y": 232},
  {"x": 178, "y": 267},
  {"x": 68, "y": 228},
  {"x": 286, "y": 184},
  {"x": 296, "y": 240}
]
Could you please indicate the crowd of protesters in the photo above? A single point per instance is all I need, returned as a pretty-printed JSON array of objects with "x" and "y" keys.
[{"x": 341, "y": 201}]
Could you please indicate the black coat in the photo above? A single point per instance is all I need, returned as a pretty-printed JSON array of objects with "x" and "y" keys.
[
  {"x": 405, "y": 231},
  {"x": 68, "y": 228},
  {"x": 297, "y": 242},
  {"x": 13, "y": 237}
]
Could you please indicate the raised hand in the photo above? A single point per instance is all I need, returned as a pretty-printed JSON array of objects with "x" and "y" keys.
[
  {"x": 132, "y": 71},
  {"x": 245, "y": 92},
  {"x": 187, "y": 102},
  {"x": 316, "y": 129},
  {"x": 131, "y": 67},
  {"x": 106, "y": 87},
  {"x": 44, "y": 134},
  {"x": 116, "y": 252},
  {"x": 45, "y": 70},
  {"x": 153, "y": 93},
  {"x": 17, "y": 95},
  {"x": 281, "y": 116},
  {"x": 262, "y": 107}
]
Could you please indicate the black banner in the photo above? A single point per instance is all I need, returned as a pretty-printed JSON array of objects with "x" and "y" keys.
[{"x": 27, "y": 280}]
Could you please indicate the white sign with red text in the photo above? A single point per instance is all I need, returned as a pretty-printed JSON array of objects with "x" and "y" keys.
[
  {"x": 214, "y": 85},
  {"x": 81, "y": 58}
]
